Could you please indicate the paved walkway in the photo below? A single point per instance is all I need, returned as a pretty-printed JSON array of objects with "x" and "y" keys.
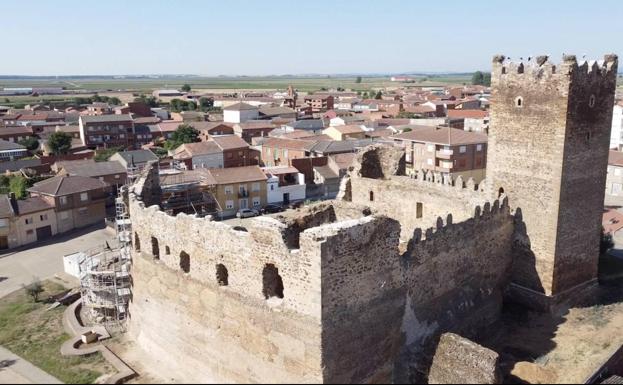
[
  {"x": 15, "y": 370},
  {"x": 46, "y": 260}
]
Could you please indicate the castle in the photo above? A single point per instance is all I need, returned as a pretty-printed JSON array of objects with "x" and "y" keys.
[{"x": 354, "y": 290}]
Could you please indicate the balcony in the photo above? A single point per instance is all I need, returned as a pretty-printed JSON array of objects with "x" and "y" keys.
[
  {"x": 243, "y": 194},
  {"x": 444, "y": 154},
  {"x": 444, "y": 167}
]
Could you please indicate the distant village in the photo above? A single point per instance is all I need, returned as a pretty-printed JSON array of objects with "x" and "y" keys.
[{"x": 243, "y": 155}]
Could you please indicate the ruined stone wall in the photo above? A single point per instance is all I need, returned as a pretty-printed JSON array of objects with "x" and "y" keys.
[
  {"x": 225, "y": 333},
  {"x": 543, "y": 144},
  {"x": 382, "y": 310}
]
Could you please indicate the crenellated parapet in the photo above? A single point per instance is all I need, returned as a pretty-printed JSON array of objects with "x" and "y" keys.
[{"x": 535, "y": 68}]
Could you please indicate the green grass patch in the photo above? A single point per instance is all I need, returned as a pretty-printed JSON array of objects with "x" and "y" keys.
[{"x": 36, "y": 335}]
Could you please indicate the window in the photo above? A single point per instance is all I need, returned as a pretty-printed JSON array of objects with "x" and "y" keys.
[
  {"x": 84, "y": 197},
  {"x": 255, "y": 187},
  {"x": 431, "y": 148},
  {"x": 463, "y": 149},
  {"x": 167, "y": 250},
  {"x": 272, "y": 282},
  {"x": 62, "y": 200},
  {"x": 4, "y": 222},
  {"x": 229, "y": 190},
  {"x": 479, "y": 147},
  {"x": 117, "y": 176},
  {"x": 257, "y": 202},
  {"x": 519, "y": 102},
  {"x": 137, "y": 243},
  {"x": 155, "y": 248},
  {"x": 222, "y": 275},
  {"x": 285, "y": 154},
  {"x": 83, "y": 211},
  {"x": 30, "y": 232},
  {"x": 229, "y": 205},
  {"x": 618, "y": 171},
  {"x": 591, "y": 101},
  {"x": 617, "y": 188},
  {"x": 419, "y": 210},
  {"x": 43, "y": 217},
  {"x": 371, "y": 196},
  {"x": 29, "y": 221},
  {"x": 64, "y": 215},
  {"x": 185, "y": 262},
  {"x": 429, "y": 162}
]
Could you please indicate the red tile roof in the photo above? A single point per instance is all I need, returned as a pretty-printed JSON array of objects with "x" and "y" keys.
[
  {"x": 467, "y": 114},
  {"x": 442, "y": 135},
  {"x": 612, "y": 221},
  {"x": 615, "y": 158}
]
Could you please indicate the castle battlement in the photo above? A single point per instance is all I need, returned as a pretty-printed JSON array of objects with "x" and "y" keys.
[{"x": 541, "y": 67}]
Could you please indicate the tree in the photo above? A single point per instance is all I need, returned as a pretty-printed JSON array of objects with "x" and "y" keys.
[
  {"x": 104, "y": 155},
  {"x": 359, "y": 79},
  {"x": 7, "y": 100},
  {"x": 606, "y": 243},
  {"x": 186, "y": 88},
  {"x": 34, "y": 290},
  {"x": 206, "y": 104},
  {"x": 114, "y": 101},
  {"x": 379, "y": 95},
  {"x": 59, "y": 142},
  {"x": 481, "y": 79},
  {"x": 184, "y": 134},
  {"x": 18, "y": 185},
  {"x": 31, "y": 143},
  {"x": 408, "y": 129},
  {"x": 340, "y": 89}
]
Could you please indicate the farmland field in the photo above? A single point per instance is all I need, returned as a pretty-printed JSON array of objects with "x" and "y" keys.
[{"x": 227, "y": 83}]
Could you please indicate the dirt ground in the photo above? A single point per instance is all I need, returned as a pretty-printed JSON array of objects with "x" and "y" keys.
[
  {"x": 568, "y": 347},
  {"x": 132, "y": 355}
]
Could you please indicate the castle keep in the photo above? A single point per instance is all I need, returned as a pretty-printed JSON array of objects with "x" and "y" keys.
[{"x": 357, "y": 289}]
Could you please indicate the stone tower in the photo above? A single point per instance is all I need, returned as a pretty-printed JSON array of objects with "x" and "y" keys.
[{"x": 548, "y": 152}]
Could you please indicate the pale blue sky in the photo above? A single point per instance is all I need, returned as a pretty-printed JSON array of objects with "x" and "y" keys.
[{"x": 253, "y": 37}]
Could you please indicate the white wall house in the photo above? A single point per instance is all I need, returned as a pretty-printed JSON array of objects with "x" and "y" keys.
[
  {"x": 616, "y": 135},
  {"x": 284, "y": 185},
  {"x": 240, "y": 113}
]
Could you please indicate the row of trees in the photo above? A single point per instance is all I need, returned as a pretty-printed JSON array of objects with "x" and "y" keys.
[
  {"x": 80, "y": 100},
  {"x": 481, "y": 79},
  {"x": 205, "y": 105}
]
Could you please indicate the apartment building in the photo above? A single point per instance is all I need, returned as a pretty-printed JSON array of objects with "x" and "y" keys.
[
  {"x": 320, "y": 103},
  {"x": 239, "y": 188},
  {"x": 78, "y": 201},
  {"x": 445, "y": 150},
  {"x": 106, "y": 131}
]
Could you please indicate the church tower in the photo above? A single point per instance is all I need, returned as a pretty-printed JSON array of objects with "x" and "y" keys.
[{"x": 548, "y": 152}]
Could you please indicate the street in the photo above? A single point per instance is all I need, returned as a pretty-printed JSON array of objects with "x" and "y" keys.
[{"x": 44, "y": 261}]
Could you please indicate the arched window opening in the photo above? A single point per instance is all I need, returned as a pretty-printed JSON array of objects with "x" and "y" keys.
[
  {"x": 519, "y": 102},
  {"x": 222, "y": 275},
  {"x": 185, "y": 262},
  {"x": 137, "y": 243},
  {"x": 167, "y": 250},
  {"x": 500, "y": 192},
  {"x": 155, "y": 248},
  {"x": 272, "y": 282}
]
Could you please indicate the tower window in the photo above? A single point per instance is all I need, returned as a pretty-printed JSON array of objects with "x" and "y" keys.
[
  {"x": 272, "y": 282},
  {"x": 591, "y": 101},
  {"x": 185, "y": 262},
  {"x": 519, "y": 102},
  {"x": 371, "y": 196},
  {"x": 222, "y": 275}
]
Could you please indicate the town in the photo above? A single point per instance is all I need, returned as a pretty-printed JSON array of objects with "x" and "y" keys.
[{"x": 462, "y": 223}]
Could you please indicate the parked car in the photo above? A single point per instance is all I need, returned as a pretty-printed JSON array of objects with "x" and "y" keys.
[
  {"x": 247, "y": 213},
  {"x": 272, "y": 209}
]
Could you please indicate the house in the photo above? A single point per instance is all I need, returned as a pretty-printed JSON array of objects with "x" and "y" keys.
[
  {"x": 312, "y": 126},
  {"x": 110, "y": 172},
  {"x": 320, "y": 103},
  {"x": 267, "y": 112},
  {"x": 285, "y": 185},
  {"x": 445, "y": 150},
  {"x": 236, "y": 152},
  {"x": 15, "y": 134},
  {"x": 281, "y": 151},
  {"x": 347, "y": 120},
  {"x": 78, "y": 201},
  {"x": 345, "y": 132},
  {"x": 12, "y": 151},
  {"x": 614, "y": 180},
  {"x": 136, "y": 159},
  {"x": 240, "y": 113},
  {"x": 23, "y": 222},
  {"x": 470, "y": 120},
  {"x": 105, "y": 131},
  {"x": 239, "y": 188},
  {"x": 209, "y": 129},
  {"x": 200, "y": 155},
  {"x": 253, "y": 129}
]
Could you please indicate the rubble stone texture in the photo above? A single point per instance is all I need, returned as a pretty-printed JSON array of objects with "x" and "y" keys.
[{"x": 461, "y": 361}]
